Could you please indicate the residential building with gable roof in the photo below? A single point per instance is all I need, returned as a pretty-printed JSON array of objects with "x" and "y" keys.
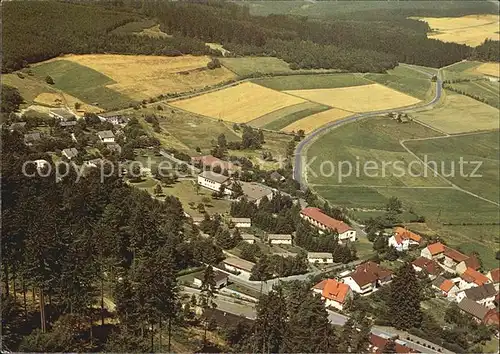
[
  {"x": 402, "y": 239},
  {"x": 433, "y": 251},
  {"x": 319, "y": 257},
  {"x": 279, "y": 239},
  {"x": 368, "y": 277},
  {"x": 471, "y": 307},
  {"x": 494, "y": 276},
  {"x": 471, "y": 278},
  {"x": 483, "y": 295},
  {"x": 446, "y": 287},
  {"x": 324, "y": 222},
  {"x": 334, "y": 293},
  {"x": 430, "y": 266},
  {"x": 470, "y": 262}
]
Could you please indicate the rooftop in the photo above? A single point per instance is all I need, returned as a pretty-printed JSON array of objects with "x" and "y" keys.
[
  {"x": 369, "y": 272},
  {"x": 239, "y": 263},
  {"x": 436, "y": 248},
  {"x": 279, "y": 237},
  {"x": 236, "y": 220},
  {"x": 72, "y": 152},
  {"x": 212, "y": 176},
  {"x": 473, "y": 276},
  {"x": 333, "y": 290},
  {"x": 495, "y": 275},
  {"x": 248, "y": 237},
  {"x": 212, "y": 161},
  {"x": 319, "y": 255},
  {"x": 478, "y": 293},
  {"x": 403, "y": 234},
  {"x": 473, "y": 308},
  {"x": 64, "y": 113},
  {"x": 105, "y": 134},
  {"x": 331, "y": 223},
  {"x": 255, "y": 191},
  {"x": 429, "y": 265},
  {"x": 454, "y": 254}
]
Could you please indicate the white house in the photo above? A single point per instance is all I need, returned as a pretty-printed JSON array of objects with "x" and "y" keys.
[
  {"x": 279, "y": 239},
  {"x": 319, "y": 257},
  {"x": 446, "y": 287},
  {"x": 255, "y": 192},
  {"x": 403, "y": 238},
  {"x": 434, "y": 251},
  {"x": 334, "y": 293},
  {"x": 214, "y": 181},
  {"x": 221, "y": 279},
  {"x": 238, "y": 266},
  {"x": 472, "y": 278},
  {"x": 368, "y": 277},
  {"x": 242, "y": 222},
  {"x": 70, "y": 153},
  {"x": 106, "y": 136},
  {"x": 324, "y": 222},
  {"x": 483, "y": 295},
  {"x": 494, "y": 276},
  {"x": 248, "y": 238}
]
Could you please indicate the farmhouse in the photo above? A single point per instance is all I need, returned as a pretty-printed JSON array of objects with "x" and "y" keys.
[
  {"x": 433, "y": 251},
  {"x": 106, "y": 136},
  {"x": 70, "y": 153},
  {"x": 430, "y": 266},
  {"x": 368, "y": 277},
  {"x": 473, "y": 308},
  {"x": 219, "y": 277},
  {"x": 447, "y": 288},
  {"x": 471, "y": 278},
  {"x": 470, "y": 262},
  {"x": 324, "y": 222},
  {"x": 452, "y": 258},
  {"x": 248, "y": 238},
  {"x": 61, "y": 114},
  {"x": 213, "y": 162},
  {"x": 279, "y": 239},
  {"x": 403, "y": 238},
  {"x": 494, "y": 276},
  {"x": 319, "y": 257},
  {"x": 334, "y": 293},
  {"x": 238, "y": 265},
  {"x": 214, "y": 181},
  {"x": 242, "y": 222},
  {"x": 483, "y": 295},
  {"x": 31, "y": 138},
  {"x": 255, "y": 192}
]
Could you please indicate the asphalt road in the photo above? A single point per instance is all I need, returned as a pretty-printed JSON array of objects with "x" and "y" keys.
[{"x": 298, "y": 174}]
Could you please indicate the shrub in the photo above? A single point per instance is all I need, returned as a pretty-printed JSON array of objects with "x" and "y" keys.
[{"x": 49, "y": 80}]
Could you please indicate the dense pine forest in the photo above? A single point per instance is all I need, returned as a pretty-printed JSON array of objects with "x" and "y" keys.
[{"x": 366, "y": 41}]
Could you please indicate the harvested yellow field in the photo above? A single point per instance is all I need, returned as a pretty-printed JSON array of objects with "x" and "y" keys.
[
  {"x": 471, "y": 30},
  {"x": 365, "y": 98},
  {"x": 492, "y": 69},
  {"x": 144, "y": 76},
  {"x": 63, "y": 99},
  {"x": 240, "y": 104},
  {"x": 308, "y": 124}
]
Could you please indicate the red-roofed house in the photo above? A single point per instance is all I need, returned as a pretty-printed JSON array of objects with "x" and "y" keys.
[
  {"x": 471, "y": 262},
  {"x": 433, "y": 251},
  {"x": 334, "y": 293},
  {"x": 213, "y": 162},
  {"x": 377, "y": 345},
  {"x": 471, "y": 278},
  {"x": 446, "y": 287},
  {"x": 368, "y": 277},
  {"x": 403, "y": 239},
  {"x": 430, "y": 266},
  {"x": 452, "y": 258},
  {"x": 324, "y": 222},
  {"x": 494, "y": 276}
]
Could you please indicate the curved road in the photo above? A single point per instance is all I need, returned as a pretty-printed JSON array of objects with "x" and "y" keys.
[{"x": 298, "y": 174}]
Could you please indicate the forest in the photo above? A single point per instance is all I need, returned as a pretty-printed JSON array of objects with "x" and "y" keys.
[{"x": 356, "y": 43}]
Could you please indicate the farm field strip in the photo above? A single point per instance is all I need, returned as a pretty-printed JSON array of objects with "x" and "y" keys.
[
  {"x": 282, "y": 113},
  {"x": 308, "y": 82},
  {"x": 492, "y": 69},
  {"x": 490, "y": 91},
  {"x": 284, "y": 121},
  {"x": 312, "y": 122},
  {"x": 240, "y": 104}
]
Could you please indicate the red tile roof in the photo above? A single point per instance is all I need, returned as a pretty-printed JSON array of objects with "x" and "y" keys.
[
  {"x": 378, "y": 344},
  {"x": 212, "y": 161},
  {"x": 327, "y": 221},
  {"x": 436, "y": 248},
  {"x": 369, "y": 272},
  {"x": 473, "y": 276},
  {"x": 495, "y": 275},
  {"x": 431, "y": 266},
  {"x": 404, "y": 234},
  {"x": 454, "y": 254},
  {"x": 473, "y": 262},
  {"x": 334, "y": 290},
  {"x": 446, "y": 285}
]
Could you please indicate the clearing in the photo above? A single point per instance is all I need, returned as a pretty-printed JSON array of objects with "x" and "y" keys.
[
  {"x": 307, "y": 82},
  {"x": 458, "y": 114},
  {"x": 310, "y": 123},
  {"x": 240, "y": 104},
  {"x": 145, "y": 76},
  {"x": 364, "y": 98},
  {"x": 282, "y": 117},
  {"x": 471, "y": 30}
]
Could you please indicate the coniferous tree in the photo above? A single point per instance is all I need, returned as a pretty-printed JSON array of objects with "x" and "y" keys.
[
  {"x": 208, "y": 293},
  {"x": 405, "y": 297}
]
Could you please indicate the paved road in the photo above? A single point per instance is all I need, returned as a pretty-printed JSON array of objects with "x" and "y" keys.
[{"x": 298, "y": 173}]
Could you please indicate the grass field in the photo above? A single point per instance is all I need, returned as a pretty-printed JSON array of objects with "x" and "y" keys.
[
  {"x": 482, "y": 147},
  {"x": 312, "y": 122},
  {"x": 458, "y": 114},
  {"x": 285, "y": 116},
  {"x": 462, "y": 70},
  {"x": 81, "y": 82},
  {"x": 489, "y": 90},
  {"x": 241, "y": 103},
  {"x": 492, "y": 69},
  {"x": 364, "y": 98},
  {"x": 375, "y": 139},
  {"x": 307, "y": 82},
  {"x": 28, "y": 87},
  {"x": 144, "y": 76},
  {"x": 406, "y": 80},
  {"x": 471, "y": 30}
]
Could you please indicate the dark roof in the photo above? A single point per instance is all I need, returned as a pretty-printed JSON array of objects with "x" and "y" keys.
[
  {"x": 473, "y": 262},
  {"x": 429, "y": 265},
  {"x": 369, "y": 272},
  {"x": 105, "y": 134},
  {"x": 478, "y": 293},
  {"x": 225, "y": 318},
  {"x": 454, "y": 254},
  {"x": 473, "y": 308}
]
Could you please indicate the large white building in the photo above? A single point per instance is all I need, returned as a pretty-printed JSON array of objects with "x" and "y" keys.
[
  {"x": 214, "y": 181},
  {"x": 324, "y": 222},
  {"x": 279, "y": 239},
  {"x": 320, "y": 257}
]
